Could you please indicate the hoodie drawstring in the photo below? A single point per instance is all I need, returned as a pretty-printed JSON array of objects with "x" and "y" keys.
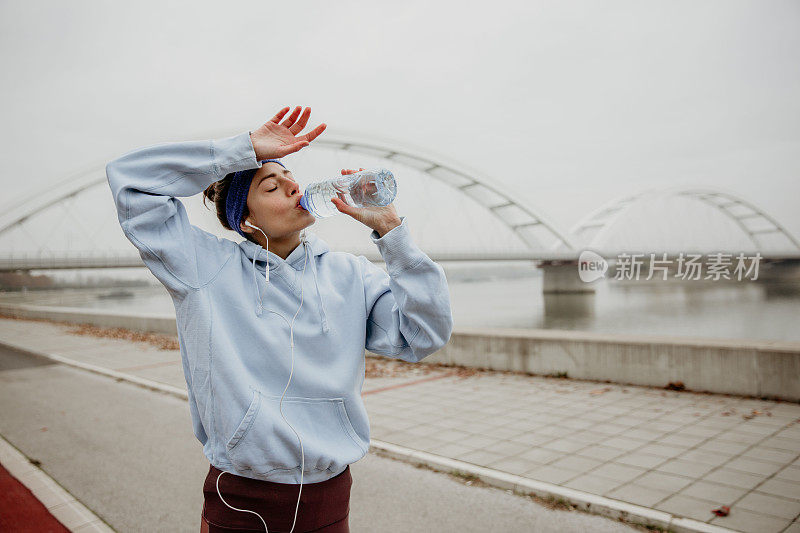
[
  {"x": 259, "y": 307},
  {"x": 322, "y": 315}
]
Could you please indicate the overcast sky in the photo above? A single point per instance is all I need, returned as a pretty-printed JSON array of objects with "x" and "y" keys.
[{"x": 570, "y": 103}]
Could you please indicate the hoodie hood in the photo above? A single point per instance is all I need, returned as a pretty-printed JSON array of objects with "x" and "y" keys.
[
  {"x": 310, "y": 247},
  {"x": 294, "y": 259}
]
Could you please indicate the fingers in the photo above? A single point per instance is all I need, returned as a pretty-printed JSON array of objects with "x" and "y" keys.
[
  {"x": 279, "y": 115},
  {"x": 349, "y": 171},
  {"x": 291, "y": 148},
  {"x": 313, "y": 134},
  {"x": 342, "y": 206},
  {"x": 291, "y": 118},
  {"x": 300, "y": 124},
  {"x": 296, "y": 126}
]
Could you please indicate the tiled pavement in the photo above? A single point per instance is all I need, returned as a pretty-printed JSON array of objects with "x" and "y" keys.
[
  {"x": 682, "y": 453},
  {"x": 679, "y": 452}
]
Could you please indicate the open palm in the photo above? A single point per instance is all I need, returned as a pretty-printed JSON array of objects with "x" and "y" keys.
[{"x": 277, "y": 139}]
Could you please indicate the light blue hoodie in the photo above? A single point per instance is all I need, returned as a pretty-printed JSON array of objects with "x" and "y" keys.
[{"x": 236, "y": 355}]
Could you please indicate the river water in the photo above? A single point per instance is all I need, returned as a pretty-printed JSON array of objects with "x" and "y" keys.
[{"x": 728, "y": 310}]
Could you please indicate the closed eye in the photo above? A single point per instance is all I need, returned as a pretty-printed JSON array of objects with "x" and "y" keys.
[{"x": 287, "y": 173}]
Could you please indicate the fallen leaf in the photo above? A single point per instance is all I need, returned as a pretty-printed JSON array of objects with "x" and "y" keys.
[
  {"x": 675, "y": 385},
  {"x": 754, "y": 413},
  {"x": 722, "y": 511}
]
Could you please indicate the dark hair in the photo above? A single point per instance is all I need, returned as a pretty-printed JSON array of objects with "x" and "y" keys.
[{"x": 217, "y": 192}]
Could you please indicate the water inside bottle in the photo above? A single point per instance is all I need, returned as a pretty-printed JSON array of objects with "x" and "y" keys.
[
  {"x": 356, "y": 192},
  {"x": 379, "y": 192},
  {"x": 317, "y": 199}
]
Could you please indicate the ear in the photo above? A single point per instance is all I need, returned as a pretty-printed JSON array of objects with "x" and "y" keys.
[{"x": 244, "y": 228}]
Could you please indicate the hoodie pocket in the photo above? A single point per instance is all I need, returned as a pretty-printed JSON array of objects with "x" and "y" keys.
[{"x": 263, "y": 442}]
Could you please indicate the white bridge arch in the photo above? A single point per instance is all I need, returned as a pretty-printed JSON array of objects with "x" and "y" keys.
[
  {"x": 740, "y": 211},
  {"x": 486, "y": 191}
]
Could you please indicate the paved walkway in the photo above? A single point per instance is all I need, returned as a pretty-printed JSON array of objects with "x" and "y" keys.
[{"x": 675, "y": 452}]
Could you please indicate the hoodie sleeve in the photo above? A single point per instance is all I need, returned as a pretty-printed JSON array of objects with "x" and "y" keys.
[
  {"x": 408, "y": 309},
  {"x": 144, "y": 183}
]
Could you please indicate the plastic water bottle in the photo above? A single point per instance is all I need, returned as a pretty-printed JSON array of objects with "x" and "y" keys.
[{"x": 372, "y": 187}]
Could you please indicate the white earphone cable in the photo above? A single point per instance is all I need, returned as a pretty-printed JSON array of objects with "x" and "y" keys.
[{"x": 291, "y": 372}]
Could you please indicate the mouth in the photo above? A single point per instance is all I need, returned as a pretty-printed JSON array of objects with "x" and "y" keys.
[{"x": 297, "y": 205}]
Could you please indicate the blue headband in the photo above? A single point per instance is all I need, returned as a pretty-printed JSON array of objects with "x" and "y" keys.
[{"x": 237, "y": 195}]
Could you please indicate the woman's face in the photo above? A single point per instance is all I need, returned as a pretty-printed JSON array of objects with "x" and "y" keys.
[{"x": 273, "y": 203}]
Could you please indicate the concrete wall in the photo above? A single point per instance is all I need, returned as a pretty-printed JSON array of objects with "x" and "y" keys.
[{"x": 752, "y": 368}]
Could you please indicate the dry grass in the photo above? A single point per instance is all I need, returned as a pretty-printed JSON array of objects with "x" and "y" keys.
[
  {"x": 159, "y": 340},
  {"x": 384, "y": 367}
]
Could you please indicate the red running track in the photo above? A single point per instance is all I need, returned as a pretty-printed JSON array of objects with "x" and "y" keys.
[{"x": 21, "y": 511}]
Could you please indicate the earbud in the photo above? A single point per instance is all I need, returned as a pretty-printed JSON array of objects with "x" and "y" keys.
[{"x": 247, "y": 223}]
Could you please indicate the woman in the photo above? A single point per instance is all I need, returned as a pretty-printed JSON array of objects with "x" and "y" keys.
[{"x": 266, "y": 429}]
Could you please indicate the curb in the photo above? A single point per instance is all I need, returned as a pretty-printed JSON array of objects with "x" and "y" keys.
[
  {"x": 585, "y": 501},
  {"x": 72, "y": 514},
  {"x": 142, "y": 382}
]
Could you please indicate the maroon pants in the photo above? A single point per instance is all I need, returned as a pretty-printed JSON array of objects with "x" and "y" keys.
[{"x": 324, "y": 506}]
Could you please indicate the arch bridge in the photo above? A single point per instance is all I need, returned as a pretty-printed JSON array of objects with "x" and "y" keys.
[{"x": 555, "y": 251}]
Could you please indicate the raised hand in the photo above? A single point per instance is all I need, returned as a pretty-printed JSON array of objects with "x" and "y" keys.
[
  {"x": 276, "y": 139},
  {"x": 380, "y": 218}
]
